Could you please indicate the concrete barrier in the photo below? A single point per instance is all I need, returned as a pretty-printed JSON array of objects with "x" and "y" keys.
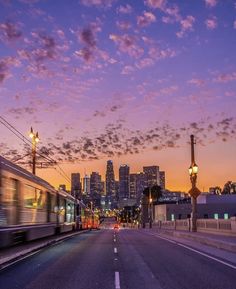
[{"x": 220, "y": 226}]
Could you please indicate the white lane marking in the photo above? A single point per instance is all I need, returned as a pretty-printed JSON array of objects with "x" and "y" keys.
[
  {"x": 114, "y": 240},
  {"x": 168, "y": 240},
  {"x": 117, "y": 280},
  {"x": 198, "y": 252},
  {"x": 116, "y": 259},
  {"x": 208, "y": 256},
  {"x": 115, "y": 250}
]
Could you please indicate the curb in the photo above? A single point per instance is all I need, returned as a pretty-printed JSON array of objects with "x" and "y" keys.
[
  {"x": 224, "y": 245},
  {"x": 7, "y": 261}
]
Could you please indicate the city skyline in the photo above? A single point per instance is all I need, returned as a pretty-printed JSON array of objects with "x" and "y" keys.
[{"x": 110, "y": 79}]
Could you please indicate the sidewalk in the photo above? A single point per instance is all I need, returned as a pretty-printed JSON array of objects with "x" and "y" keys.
[
  {"x": 12, "y": 254},
  {"x": 227, "y": 243}
]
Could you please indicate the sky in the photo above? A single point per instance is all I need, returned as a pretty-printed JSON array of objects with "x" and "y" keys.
[{"x": 123, "y": 80}]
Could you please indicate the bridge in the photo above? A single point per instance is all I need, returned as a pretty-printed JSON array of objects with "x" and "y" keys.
[{"x": 112, "y": 257}]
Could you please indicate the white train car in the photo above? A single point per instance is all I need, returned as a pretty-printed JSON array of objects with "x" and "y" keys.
[{"x": 30, "y": 208}]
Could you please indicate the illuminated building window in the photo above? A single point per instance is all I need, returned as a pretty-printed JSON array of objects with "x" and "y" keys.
[{"x": 226, "y": 216}]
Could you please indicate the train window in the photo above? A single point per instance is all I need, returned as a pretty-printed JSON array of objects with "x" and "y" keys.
[
  {"x": 54, "y": 207},
  {"x": 33, "y": 197},
  {"x": 69, "y": 212},
  {"x": 9, "y": 193},
  {"x": 61, "y": 210}
]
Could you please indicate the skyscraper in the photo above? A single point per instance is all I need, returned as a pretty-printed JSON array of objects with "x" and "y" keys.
[
  {"x": 153, "y": 175},
  {"x": 162, "y": 180},
  {"x": 96, "y": 188},
  {"x": 110, "y": 179},
  {"x": 141, "y": 184},
  {"x": 76, "y": 185},
  {"x": 86, "y": 185},
  {"x": 95, "y": 184},
  {"x": 124, "y": 181},
  {"x": 132, "y": 185}
]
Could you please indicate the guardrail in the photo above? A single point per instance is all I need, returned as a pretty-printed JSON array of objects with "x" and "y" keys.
[{"x": 220, "y": 226}]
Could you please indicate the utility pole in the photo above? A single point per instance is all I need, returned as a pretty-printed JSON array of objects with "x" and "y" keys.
[{"x": 35, "y": 139}]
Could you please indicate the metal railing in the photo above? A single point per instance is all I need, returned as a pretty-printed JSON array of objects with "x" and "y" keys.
[{"x": 220, "y": 226}]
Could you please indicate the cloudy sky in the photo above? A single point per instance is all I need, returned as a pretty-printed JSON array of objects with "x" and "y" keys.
[{"x": 121, "y": 80}]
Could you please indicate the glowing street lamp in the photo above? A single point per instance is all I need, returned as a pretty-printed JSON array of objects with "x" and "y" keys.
[
  {"x": 150, "y": 208},
  {"x": 194, "y": 191},
  {"x": 35, "y": 139}
]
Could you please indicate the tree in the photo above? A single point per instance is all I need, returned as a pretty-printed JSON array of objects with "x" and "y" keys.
[
  {"x": 156, "y": 192},
  {"x": 229, "y": 188}
]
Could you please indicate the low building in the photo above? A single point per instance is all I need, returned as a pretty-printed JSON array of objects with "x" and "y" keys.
[{"x": 208, "y": 207}]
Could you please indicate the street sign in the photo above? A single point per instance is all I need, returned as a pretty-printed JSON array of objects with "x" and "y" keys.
[{"x": 194, "y": 192}]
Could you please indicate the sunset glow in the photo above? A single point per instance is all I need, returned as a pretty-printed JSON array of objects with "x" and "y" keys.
[{"x": 121, "y": 80}]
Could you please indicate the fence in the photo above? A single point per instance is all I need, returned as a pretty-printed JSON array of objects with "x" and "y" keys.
[{"x": 224, "y": 227}]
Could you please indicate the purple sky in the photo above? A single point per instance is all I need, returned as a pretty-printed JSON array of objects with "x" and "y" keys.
[{"x": 122, "y": 80}]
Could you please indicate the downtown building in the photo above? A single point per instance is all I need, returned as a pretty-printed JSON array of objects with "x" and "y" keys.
[
  {"x": 111, "y": 198},
  {"x": 76, "y": 190},
  {"x": 141, "y": 184},
  {"x": 86, "y": 186},
  {"x": 133, "y": 186},
  {"x": 137, "y": 184},
  {"x": 162, "y": 180},
  {"x": 124, "y": 186},
  {"x": 152, "y": 175},
  {"x": 110, "y": 180},
  {"x": 96, "y": 188}
]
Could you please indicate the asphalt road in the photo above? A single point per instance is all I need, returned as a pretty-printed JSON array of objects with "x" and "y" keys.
[{"x": 125, "y": 259}]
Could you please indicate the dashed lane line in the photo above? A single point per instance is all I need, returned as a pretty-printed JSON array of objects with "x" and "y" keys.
[{"x": 117, "y": 280}]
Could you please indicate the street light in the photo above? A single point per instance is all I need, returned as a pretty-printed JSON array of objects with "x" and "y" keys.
[
  {"x": 35, "y": 139},
  {"x": 150, "y": 208},
  {"x": 92, "y": 212},
  {"x": 194, "y": 191}
]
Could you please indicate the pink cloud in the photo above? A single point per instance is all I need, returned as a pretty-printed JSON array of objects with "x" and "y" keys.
[
  {"x": 146, "y": 62},
  {"x": 230, "y": 93},
  {"x": 123, "y": 25},
  {"x": 210, "y": 3},
  {"x": 211, "y": 23},
  {"x": 102, "y": 3},
  {"x": 196, "y": 81},
  {"x": 127, "y": 70},
  {"x": 10, "y": 31},
  {"x": 186, "y": 25},
  {"x": 127, "y": 9},
  {"x": 127, "y": 44},
  {"x": 5, "y": 65},
  {"x": 225, "y": 77},
  {"x": 157, "y": 53},
  {"x": 173, "y": 15},
  {"x": 146, "y": 19},
  {"x": 156, "y": 4},
  {"x": 173, "y": 11},
  {"x": 169, "y": 90}
]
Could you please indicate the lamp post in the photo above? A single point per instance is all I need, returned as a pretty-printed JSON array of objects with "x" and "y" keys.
[
  {"x": 194, "y": 191},
  {"x": 35, "y": 139},
  {"x": 92, "y": 212},
  {"x": 150, "y": 208}
]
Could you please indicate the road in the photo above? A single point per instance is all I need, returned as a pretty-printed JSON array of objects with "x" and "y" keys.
[{"x": 124, "y": 259}]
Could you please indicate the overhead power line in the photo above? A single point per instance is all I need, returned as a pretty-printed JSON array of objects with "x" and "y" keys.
[{"x": 19, "y": 135}]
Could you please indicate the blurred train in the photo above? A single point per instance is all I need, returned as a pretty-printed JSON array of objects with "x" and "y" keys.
[{"x": 30, "y": 208}]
